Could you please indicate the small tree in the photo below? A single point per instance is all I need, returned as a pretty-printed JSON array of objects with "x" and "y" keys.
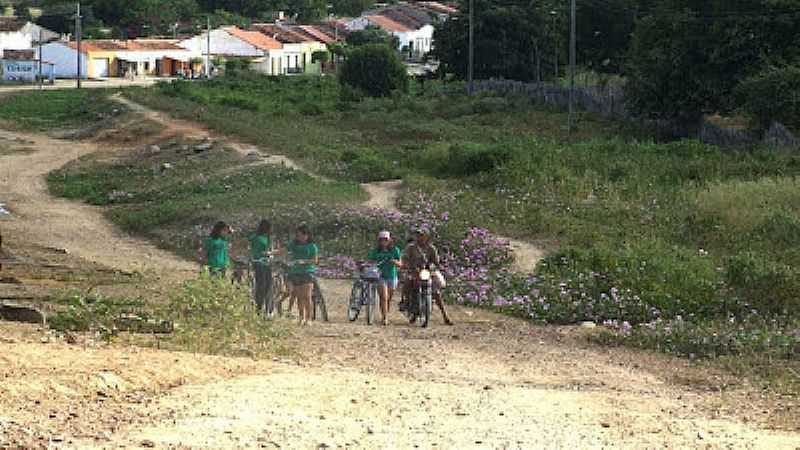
[
  {"x": 372, "y": 35},
  {"x": 374, "y": 69},
  {"x": 772, "y": 95},
  {"x": 320, "y": 56}
]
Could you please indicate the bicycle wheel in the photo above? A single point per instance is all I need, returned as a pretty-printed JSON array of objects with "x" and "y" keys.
[
  {"x": 269, "y": 307},
  {"x": 319, "y": 303},
  {"x": 425, "y": 308},
  {"x": 354, "y": 305},
  {"x": 369, "y": 299}
]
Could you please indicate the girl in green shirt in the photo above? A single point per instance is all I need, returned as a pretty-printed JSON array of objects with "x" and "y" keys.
[
  {"x": 387, "y": 255},
  {"x": 304, "y": 258},
  {"x": 260, "y": 249},
  {"x": 216, "y": 249}
]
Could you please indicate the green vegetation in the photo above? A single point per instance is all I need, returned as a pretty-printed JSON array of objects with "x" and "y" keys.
[
  {"x": 204, "y": 315},
  {"x": 375, "y": 139},
  {"x": 374, "y": 69},
  {"x": 772, "y": 95},
  {"x": 57, "y": 109},
  {"x": 679, "y": 247},
  {"x": 174, "y": 195}
]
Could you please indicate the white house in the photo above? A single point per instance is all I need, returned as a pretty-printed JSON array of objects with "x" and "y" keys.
[
  {"x": 414, "y": 40},
  {"x": 233, "y": 42},
  {"x": 19, "y": 35},
  {"x": 412, "y": 25}
]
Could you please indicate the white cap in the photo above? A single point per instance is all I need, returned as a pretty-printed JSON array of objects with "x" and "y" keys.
[{"x": 384, "y": 235}]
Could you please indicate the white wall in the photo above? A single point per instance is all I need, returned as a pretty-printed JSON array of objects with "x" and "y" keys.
[
  {"x": 222, "y": 44},
  {"x": 422, "y": 39},
  {"x": 15, "y": 40},
  {"x": 64, "y": 59},
  {"x": 271, "y": 64}
]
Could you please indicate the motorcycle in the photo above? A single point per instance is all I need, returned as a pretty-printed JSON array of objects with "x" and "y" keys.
[{"x": 420, "y": 304}]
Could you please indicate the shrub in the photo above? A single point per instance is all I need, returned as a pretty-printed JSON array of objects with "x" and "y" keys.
[
  {"x": 468, "y": 159},
  {"x": 487, "y": 105},
  {"x": 214, "y": 316},
  {"x": 375, "y": 69},
  {"x": 768, "y": 286},
  {"x": 320, "y": 56},
  {"x": 772, "y": 96},
  {"x": 311, "y": 109},
  {"x": 240, "y": 102},
  {"x": 237, "y": 66}
]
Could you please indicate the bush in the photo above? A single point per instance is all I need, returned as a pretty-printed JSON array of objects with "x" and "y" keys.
[
  {"x": 767, "y": 286},
  {"x": 468, "y": 159},
  {"x": 234, "y": 67},
  {"x": 375, "y": 69},
  {"x": 487, "y": 105},
  {"x": 214, "y": 316},
  {"x": 237, "y": 101},
  {"x": 772, "y": 96}
]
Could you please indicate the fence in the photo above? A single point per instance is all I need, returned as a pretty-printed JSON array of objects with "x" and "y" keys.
[{"x": 609, "y": 102}]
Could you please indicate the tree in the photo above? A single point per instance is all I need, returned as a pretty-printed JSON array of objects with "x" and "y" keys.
[
  {"x": 23, "y": 10},
  {"x": 772, "y": 95},
  {"x": 687, "y": 57},
  {"x": 506, "y": 41},
  {"x": 372, "y": 35},
  {"x": 374, "y": 69},
  {"x": 352, "y": 8},
  {"x": 668, "y": 70},
  {"x": 307, "y": 11}
]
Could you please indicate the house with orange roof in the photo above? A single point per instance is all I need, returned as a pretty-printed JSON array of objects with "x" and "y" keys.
[
  {"x": 104, "y": 58},
  {"x": 412, "y": 25},
  {"x": 300, "y": 42},
  {"x": 229, "y": 42}
]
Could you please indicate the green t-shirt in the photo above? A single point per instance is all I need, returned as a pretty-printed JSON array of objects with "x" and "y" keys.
[
  {"x": 217, "y": 253},
  {"x": 388, "y": 270},
  {"x": 259, "y": 245},
  {"x": 302, "y": 251}
]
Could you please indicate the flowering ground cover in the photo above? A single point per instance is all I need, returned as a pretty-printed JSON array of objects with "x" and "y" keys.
[{"x": 678, "y": 247}]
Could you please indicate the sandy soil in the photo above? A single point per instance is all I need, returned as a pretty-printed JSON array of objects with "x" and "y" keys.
[{"x": 488, "y": 382}]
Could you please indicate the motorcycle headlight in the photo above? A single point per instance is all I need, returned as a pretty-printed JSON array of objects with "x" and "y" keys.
[{"x": 425, "y": 275}]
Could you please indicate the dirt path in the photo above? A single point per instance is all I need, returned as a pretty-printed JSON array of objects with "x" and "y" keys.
[
  {"x": 174, "y": 127},
  {"x": 488, "y": 382},
  {"x": 76, "y": 228}
]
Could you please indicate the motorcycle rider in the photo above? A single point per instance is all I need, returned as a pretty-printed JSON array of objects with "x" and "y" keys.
[{"x": 415, "y": 256}]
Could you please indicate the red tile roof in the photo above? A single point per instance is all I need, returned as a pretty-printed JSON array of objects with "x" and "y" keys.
[
  {"x": 318, "y": 34},
  {"x": 256, "y": 39},
  {"x": 438, "y": 7},
  {"x": 282, "y": 34},
  {"x": 100, "y": 45},
  {"x": 388, "y": 24}
]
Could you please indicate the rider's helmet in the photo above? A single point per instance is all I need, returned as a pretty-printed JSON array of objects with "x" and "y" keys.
[{"x": 384, "y": 235}]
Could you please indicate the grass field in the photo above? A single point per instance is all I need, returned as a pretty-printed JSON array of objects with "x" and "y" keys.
[
  {"x": 679, "y": 247},
  {"x": 56, "y": 109}
]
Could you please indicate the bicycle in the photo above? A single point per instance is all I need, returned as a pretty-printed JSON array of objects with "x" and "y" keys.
[
  {"x": 318, "y": 305},
  {"x": 364, "y": 293}
]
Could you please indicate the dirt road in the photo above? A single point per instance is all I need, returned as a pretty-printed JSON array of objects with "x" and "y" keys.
[
  {"x": 75, "y": 228},
  {"x": 488, "y": 382}
]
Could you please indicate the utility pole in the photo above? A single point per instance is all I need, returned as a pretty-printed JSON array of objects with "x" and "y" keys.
[
  {"x": 555, "y": 43},
  {"x": 41, "y": 81},
  {"x": 572, "y": 57},
  {"x": 78, "y": 41},
  {"x": 208, "y": 47},
  {"x": 471, "y": 62}
]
